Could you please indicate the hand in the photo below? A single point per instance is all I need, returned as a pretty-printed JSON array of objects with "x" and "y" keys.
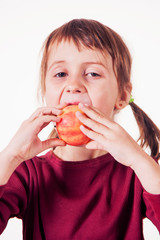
[
  {"x": 26, "y": 143},
  {"x": 107, "y": 135}
]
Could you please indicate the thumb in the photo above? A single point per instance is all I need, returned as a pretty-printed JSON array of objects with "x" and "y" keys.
[
  {"x": 94, "y": 145},
  {"x": 51, "y": 143}
]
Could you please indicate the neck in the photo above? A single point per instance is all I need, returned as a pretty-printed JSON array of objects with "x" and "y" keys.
[{"x": 71, "y": 153}]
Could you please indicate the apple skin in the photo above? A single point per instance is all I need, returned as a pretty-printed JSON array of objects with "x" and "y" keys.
[{"x": 69, "y": 127}]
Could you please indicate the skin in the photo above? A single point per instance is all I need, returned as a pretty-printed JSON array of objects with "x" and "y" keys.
[{"x": 87, "y": 77}]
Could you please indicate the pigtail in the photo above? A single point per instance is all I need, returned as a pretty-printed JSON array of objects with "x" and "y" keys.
[{"x": 149, "y": 132}]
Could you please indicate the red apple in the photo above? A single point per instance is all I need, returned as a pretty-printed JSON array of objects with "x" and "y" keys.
[{"x": 69, "y": 127}]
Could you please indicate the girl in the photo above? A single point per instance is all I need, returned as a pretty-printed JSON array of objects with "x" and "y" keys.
[{"x": 104, "y": 189}]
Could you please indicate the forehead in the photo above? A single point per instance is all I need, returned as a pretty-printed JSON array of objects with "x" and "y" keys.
[{"x": 69, "y": 51}]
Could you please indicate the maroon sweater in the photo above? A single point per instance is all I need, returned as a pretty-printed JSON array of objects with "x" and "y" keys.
[{"x": 96, "y": 199}]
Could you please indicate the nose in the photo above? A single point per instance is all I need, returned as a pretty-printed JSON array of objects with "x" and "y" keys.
[
  {"x": 75, "y": 86},
  {"x": 73, "y": 89}
]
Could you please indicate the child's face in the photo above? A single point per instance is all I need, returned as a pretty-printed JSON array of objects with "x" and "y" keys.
[{"x": 85, "y": 76}]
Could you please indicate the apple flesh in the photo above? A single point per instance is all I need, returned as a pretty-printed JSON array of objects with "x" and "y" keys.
[{"x": 69, "y": 127}]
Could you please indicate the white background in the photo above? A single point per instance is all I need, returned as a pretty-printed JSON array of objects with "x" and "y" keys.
[{"x": 24, "y": 25}]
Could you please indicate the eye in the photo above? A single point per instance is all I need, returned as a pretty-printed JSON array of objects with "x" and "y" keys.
[
  {"x": 93, "y": 74},
  {"x": 61, "y": 75}
]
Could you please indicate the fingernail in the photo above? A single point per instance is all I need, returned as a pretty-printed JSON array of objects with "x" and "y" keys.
[
  {"x": 62, "y": 143},
  {"x": 82, "y": 127},
  {"x": 78, "y": 114},
  {"x": 58, "y": 119},
  {"x": 81, "y": 105}
]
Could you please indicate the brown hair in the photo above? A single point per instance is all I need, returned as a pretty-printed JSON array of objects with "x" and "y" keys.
[{"x": 93, "y": 34}]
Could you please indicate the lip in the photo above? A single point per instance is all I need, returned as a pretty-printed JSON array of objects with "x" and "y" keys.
[
  {"x": 75, "y": 99},
  {"x": 73, "y": 103},
  {"x": 76, "y": 103}
]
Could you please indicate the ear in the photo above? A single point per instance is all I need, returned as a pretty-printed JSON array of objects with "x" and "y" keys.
[{"x": 123, "y": 98}]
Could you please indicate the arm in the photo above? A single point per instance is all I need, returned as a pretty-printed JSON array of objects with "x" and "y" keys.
[
  {"x": 111, "y": 137},
  {"x": 148, "y": 172},
  {"x": 8, "y": 164},
  {"x": 152, "y": 208},
  {"x": 13, "y": 196},
  {"x": 26, "y": 143}
]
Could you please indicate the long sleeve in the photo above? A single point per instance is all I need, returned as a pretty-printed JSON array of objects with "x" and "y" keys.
[
  {"x": 13, "y": 197},
  {"x": 152, "y": 204},
  {"x": 96, "y": 199}
]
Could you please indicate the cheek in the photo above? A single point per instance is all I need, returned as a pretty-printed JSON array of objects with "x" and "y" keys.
[
  {"x": 105, "y": 102},
  {"x": 51, "y": 96}
]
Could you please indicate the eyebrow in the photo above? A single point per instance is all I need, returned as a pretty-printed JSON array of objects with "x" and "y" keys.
[
  {"x": 87, "y": 63},
  {"x": 96, "y": 63},
  {"x": 56, "y": 62}
]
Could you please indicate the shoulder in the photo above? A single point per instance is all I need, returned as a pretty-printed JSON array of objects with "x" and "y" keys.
[{"x": 27, "y": 172}]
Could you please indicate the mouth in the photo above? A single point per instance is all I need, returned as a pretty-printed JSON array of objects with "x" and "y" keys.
[
  {"x": 73, "y": 103},
  {"x": 75, "y": 99}
]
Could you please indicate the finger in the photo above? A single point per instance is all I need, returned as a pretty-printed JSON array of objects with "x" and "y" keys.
[
  {"x": 48, "y": 111},
  {"x": 43, "y": 121},
  {"x": 45, "y": 111},
  {"x": 91, "y": 124},
  {"x": 95, "y": 114},
  {"x": 51, "y": 143},
  {"x": 92, "y": 135},
  {"x": 94, "y": 145},
  {"x": 62, "y": 105}
]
